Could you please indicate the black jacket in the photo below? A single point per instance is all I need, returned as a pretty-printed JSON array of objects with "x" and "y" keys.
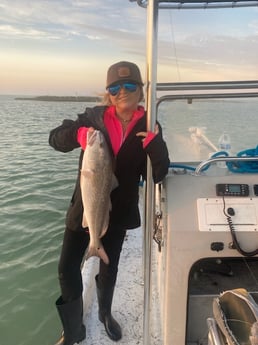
[{"x": 130, "y": 165}]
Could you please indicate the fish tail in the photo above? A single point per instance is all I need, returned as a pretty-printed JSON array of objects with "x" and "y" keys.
[{"x": 97, "y": 251}]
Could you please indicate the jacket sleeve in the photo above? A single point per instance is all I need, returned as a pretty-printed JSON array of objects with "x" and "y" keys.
[
  {"x": 64, "y": 137},
  {"x": 158, "y": 153}
]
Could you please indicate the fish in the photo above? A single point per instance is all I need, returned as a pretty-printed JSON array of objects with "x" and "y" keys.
[{"x": 97, "y": 180}]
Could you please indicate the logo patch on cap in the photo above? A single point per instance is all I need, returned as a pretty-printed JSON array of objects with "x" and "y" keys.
[{"x": 123, "y": 72}]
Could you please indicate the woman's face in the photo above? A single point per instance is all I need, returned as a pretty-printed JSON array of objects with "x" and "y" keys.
[{"x": 126, "y": 101}]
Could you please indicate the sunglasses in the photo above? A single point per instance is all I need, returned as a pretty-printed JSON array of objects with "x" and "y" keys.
[{"x": 130, "y": 87}]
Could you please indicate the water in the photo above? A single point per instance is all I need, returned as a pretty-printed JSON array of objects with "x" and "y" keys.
[{"x": 36, "y": 184}]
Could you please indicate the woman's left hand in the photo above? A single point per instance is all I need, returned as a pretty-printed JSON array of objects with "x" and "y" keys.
[{"x": 148, "y": 135}]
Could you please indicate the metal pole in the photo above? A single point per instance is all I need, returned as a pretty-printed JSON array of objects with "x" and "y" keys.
[{"x": 152, "y": 14}]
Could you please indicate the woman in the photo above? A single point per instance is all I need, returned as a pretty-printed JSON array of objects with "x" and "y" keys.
[{"x": 123, "y": 122}]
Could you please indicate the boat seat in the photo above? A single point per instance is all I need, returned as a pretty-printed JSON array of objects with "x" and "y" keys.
[{"x": 236, "y": 314}]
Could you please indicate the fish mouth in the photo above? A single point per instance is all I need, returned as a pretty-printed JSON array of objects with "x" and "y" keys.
[{"x": 92, "y": 136}]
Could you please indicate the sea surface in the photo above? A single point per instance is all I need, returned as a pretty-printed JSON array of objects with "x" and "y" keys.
[{"x": 36, "y": 183}]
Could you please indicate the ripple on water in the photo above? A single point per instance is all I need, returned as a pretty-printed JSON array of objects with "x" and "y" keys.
[{"x": 36, "y": 184}]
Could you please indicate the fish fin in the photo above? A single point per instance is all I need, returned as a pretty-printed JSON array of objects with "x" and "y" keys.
[
  {"x": 114, "y": 182},
  {"x": 100, "y": 252},
  {"x": 105, "y": 220},
  {"x": 103, "y": 231},
  {"x": 84, "y": 221},
  {"x": 109, "y": 206},
  {"x": 87, "y": 172}
]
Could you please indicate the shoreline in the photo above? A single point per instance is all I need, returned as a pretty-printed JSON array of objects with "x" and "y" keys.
[{"x": 61, "y": 98}]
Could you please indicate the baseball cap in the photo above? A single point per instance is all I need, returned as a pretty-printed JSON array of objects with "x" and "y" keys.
[{"x": 123, "y": 71}]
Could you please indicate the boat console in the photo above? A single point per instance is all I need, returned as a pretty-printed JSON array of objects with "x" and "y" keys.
[
  {"x": 206, "y": 210},
  {"x": 208, "y": 221}
]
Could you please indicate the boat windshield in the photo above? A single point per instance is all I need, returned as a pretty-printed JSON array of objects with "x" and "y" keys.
[
  {"x": 196, "y": 46},
  {"x": 192, "y": 127}
]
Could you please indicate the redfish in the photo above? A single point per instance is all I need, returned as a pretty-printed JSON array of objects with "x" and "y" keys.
[{"x": 97, "y": 181}]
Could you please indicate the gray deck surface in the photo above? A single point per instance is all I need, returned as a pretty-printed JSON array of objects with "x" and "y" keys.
[{"x": 128, "y": 298}]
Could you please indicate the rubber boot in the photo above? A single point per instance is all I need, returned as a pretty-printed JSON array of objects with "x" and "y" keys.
[
  {"x": 105, "y": 297},
  {"x": 71, "y": 317}
]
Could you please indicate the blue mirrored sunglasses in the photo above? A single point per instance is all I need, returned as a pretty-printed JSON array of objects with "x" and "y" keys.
[{"x": 130, "y": 87}]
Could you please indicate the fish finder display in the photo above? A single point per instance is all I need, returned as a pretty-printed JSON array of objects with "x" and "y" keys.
[{"x": 232, "y": 189}]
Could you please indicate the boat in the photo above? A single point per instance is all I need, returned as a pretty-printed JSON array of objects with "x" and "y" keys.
[{"x": 197, "y": 280}]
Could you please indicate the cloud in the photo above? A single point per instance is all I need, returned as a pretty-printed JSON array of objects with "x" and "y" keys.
[
  {"x": 11, "y": 31},
  {"x": 254, "y": 26},
  {"x": 107, "y": 30},
  {"x": 66, "y": 19}
]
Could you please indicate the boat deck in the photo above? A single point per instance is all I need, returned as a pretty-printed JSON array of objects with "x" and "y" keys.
[{"x": 128, "y": 298}]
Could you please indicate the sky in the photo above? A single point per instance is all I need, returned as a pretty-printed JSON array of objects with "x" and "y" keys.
[{"x": 64, "y": 47}]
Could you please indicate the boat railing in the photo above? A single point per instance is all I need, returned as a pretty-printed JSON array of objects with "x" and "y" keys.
[
  {"x": 215, "y": 85},
  {"x": 203, "y": 90},
  {"x": 205, "y": 96},
  {"x": 195, "y": 4},
  {"x": 234, "y": 159}
]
